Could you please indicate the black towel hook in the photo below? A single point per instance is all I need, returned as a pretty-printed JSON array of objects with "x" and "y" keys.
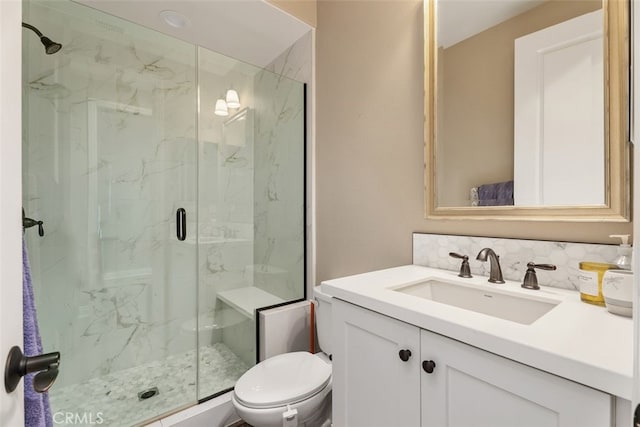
[{"x": 28, "y": 223}]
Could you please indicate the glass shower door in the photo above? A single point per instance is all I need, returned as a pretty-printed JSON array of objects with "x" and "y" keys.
[
  {"x": 167, "y": 223},
  {"x": 250, "y": 209},
  {"x": 110, "y": 157}
]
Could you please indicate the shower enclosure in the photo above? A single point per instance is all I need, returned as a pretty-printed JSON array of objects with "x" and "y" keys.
[{"x": 165, "y": 225}]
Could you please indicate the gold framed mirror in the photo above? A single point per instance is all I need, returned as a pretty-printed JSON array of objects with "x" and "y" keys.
[{"x": 527, "y": 113}]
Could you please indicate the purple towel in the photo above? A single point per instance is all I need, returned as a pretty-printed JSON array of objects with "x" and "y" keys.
[
  {"x": 499, "y": 194},
  {"x": 37, "y": 412}
]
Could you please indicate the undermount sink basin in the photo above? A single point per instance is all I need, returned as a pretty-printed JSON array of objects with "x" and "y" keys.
[{"x": 513, "y": 307}]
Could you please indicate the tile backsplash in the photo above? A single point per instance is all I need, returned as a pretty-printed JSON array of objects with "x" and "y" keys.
[{"x": 432, "y": 250}]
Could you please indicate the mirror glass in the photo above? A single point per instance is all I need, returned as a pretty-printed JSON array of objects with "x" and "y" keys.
[{"x": 522, "y": 115}]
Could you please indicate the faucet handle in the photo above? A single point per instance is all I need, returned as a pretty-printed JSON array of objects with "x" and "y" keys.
[
  {"x": 465, "y": 270},
  {"x": 541, "y": 266},
  {"x": 530, "y": 279}
]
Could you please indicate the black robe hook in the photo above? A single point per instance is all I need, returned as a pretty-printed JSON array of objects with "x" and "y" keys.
[{"x": 28, "y": 223}]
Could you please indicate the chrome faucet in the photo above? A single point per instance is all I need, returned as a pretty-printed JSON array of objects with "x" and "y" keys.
[{"x": 495, "y": 274}]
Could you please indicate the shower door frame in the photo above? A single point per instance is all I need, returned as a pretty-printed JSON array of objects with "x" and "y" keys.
[{"x": 11, "y": 404}]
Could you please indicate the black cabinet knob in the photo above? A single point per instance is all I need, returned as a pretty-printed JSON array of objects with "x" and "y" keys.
[
  {"x": 428, "y": 366},
  {"x": 404, "y": 355}
]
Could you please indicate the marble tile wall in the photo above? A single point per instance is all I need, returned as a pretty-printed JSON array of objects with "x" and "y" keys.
[
  {"x": 279, "y": 172},
  {"x": 295, "y": 62},
  {"x": 432, "y": 250},
  {"x": 225, "y": 190}
]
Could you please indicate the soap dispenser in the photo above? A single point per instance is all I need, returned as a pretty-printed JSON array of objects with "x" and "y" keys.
[{"x": 624, "y": 252}]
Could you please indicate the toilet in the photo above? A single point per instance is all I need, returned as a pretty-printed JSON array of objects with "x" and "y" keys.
[{"x": 291, "y": 389}]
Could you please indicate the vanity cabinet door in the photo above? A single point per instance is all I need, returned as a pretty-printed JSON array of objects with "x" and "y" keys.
[
  {"x": 376, "y": 359},
  {"x": 471, "y": 387}
]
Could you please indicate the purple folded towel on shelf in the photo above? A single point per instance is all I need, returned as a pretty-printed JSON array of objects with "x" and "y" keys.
[
  {"x": 498, "y": 194},
  {"x": 37, "y": 412}
]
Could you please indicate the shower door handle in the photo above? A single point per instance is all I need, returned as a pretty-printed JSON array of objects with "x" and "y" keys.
[{"x": 181, "y": 224}]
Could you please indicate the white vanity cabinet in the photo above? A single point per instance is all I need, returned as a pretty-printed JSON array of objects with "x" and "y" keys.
[
  {"x": 374, "y": 387},
  {"x": 472, "y": 387}
]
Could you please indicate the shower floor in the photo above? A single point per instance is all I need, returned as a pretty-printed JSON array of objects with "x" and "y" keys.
[{"x": 113, "y": 398}]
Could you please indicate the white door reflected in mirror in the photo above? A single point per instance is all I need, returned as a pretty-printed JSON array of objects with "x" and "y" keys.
[{"x": 559, "y": 150}]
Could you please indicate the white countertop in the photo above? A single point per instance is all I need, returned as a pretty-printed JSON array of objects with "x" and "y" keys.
[{"x": 575, "y": 340}]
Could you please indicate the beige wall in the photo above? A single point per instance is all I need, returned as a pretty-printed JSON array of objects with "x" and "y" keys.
[
  {"x": 477, "y": 81},
  {"x": 304, "y": 10},
  {"x": 369, "y": 144}
]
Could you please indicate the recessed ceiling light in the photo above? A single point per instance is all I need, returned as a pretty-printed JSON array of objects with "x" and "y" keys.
[{"x": 175, "y": 19}]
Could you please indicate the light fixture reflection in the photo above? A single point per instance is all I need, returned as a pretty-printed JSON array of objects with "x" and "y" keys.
[
  {"x": 233, "y": 100},
  {"x": 221, "y": 108}
]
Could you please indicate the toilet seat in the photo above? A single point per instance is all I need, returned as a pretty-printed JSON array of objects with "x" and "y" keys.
[{"x": 284, "y": 379}]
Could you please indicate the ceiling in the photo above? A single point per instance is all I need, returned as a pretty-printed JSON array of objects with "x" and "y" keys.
[
  {"x": 252, "y": 31},
  {"x": 461, "y": 19}
]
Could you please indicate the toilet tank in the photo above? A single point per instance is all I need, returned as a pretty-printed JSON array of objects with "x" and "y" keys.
[{"x": 323, "y": 319}]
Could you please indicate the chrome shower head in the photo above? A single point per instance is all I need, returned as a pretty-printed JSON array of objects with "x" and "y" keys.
[{"x": 50, "y": 47}]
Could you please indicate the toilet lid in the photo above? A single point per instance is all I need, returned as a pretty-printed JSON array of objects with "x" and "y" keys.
[{"x": 282, "y": 379}]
